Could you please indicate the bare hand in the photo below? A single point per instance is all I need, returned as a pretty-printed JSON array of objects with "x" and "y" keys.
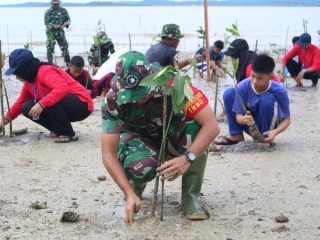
[
  {"x": 300, "y": 76},
  {"x": 56, "y": 26},
  {"x": 269, "y": 136},
  {"x": 35, "y": 111},
  {"x": 174, "y": 168},
  {"x": 133, "y": 206},
  {"x": 248, "y": 119}
]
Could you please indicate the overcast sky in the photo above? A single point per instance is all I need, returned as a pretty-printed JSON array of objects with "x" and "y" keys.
[{"x": 48, "y": 1}]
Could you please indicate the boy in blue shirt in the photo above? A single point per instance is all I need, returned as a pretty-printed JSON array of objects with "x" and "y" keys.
[
  {"x": 256, "y": 100},
  {"x": 216, "y": 57}
]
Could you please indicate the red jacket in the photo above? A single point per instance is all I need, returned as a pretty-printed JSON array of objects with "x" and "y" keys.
[
  {"x": 50, "y": 86},
  {"x": 309, "y": 57}
]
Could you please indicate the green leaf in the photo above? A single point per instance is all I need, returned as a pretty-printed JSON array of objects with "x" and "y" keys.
[
  {"x": 177, "y": 108},
  {"x": 178, "y": 86},
  {"x": 176, "y": 66},
  {"x": 159, "y": 78},
  {"x": 188, "y": 91}
]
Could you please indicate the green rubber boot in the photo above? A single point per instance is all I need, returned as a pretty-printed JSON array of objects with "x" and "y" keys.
[
  {"x": 191, "y": 187},
  {"x": 138, "y": 188}
]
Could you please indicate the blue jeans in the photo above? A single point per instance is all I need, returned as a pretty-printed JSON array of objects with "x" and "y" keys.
[{"x": 265, "y": 114}]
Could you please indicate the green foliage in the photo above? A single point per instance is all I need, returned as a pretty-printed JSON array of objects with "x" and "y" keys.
[
  {"x": 180, "y": 89},
  {"x": 27, "y": 46},
  {"x": 159, "y": 78},
  {"x": 232, "y": 32},
  {"x": 201, "y": 33},
  {"x": 274, "y": 49},
  {"x": 234, "y": 65}
]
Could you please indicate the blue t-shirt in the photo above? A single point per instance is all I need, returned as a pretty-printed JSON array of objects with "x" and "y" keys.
[
  {"x": 251, "y": 98},
  {"x": 162, "y": 54}
]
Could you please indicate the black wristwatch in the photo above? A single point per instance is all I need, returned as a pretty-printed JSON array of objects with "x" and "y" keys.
[{"x": 191, "y": 157}]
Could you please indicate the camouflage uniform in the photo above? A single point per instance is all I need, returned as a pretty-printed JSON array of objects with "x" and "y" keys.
[
  {"x": 54, "y": 17},
  {"x": 99, "y": 51},
  {"x": 135, "y": 112}
]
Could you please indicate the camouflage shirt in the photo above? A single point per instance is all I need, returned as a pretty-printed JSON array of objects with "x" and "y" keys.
[
  {"x": 104, "y": 50},
  {"x": 140, "y": 110},
  {"x": 54, "y": 17}
]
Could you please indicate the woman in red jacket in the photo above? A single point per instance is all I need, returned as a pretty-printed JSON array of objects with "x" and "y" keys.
[{"x": 49, "y": 97}]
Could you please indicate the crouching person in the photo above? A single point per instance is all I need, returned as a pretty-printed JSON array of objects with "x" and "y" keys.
[
  {"x": 256, "y": 100},
  {"x": 132, "y": 133},
  {"x": 49, "y": 96}
]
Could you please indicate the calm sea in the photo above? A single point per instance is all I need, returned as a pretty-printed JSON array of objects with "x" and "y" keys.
[{"x": 19, "y": 26}]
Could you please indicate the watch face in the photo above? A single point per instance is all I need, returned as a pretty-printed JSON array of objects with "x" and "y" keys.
[{"x": 191, "y": 156}]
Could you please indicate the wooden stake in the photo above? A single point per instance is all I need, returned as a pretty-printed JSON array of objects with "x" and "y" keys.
[
  {"x": 130, "y": 42},
  {"x": 206, "y": 26},
  {"x": 1, "y": 90}
]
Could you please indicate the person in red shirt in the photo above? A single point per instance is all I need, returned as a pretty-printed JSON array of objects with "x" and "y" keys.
[
  {"x": 94, "y": 87},
  {"x": 49, "y": 96},
  {"x": 308, "y": 66}
]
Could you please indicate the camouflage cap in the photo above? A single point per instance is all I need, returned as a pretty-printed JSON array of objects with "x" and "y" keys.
[
  {"x": 103, "y": 37},
  {"x": 171, "y": 31},
  {"x": 55, "y": 1},
  {"x": 131, "y": 68}
]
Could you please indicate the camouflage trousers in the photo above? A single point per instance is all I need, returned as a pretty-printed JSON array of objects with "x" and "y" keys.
[
  {"x": 59, "y": 37},
  {"x": 139, "y": 155}
]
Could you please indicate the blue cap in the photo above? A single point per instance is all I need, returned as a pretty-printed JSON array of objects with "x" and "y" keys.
[
  {"x": 17, "y": 58},
  {"x": 304, "y": 39}
]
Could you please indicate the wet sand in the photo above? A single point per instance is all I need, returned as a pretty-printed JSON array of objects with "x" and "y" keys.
[{"x": 243, "y": 191}]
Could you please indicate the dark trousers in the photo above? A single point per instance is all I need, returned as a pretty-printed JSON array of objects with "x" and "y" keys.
[
  {"x": 294, "y": 68},
  {"x": 58, "y": 118}
]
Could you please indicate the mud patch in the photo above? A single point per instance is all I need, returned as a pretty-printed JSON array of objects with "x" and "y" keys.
[
  {"x": 243, "y": 147},
  {"x": 21, "y": 139}
]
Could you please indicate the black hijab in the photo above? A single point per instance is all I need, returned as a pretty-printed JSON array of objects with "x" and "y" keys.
[
  {"x": 29, "y": 70},
  {"x": 239, "y": 48}
]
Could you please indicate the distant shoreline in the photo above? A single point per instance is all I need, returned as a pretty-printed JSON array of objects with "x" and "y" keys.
[{"x": 152, "y": 3}]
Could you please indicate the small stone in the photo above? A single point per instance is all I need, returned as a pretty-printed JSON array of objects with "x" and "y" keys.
[
  {"x": 70, "y": 217},
  {"x": 37, "y": 205},
  {"x": 303, "y": 186},
  {"x": 282, "y": 219},
  {"x": 102, "y": 178},
  {"x": 281, "y": 228},
  {"x": 260, "y": 219},
  {"x": 174, "y": 203}
]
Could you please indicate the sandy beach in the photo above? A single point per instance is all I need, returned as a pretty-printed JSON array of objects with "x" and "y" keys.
[{"x": 243, "y": 191}]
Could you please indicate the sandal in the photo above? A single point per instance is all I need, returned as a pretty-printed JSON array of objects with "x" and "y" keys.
[
  {"x": 224, "y": 140},
  {"x": 66, "y": 139}
]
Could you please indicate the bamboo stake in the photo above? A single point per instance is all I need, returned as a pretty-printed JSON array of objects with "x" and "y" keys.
[
  {"x": 9, "y": 112},
  {"x": 206, "y": 32},
  {"x": 130, "y": 41},
  {"x": 256, "y": 48},
  {"x": 216, "y": 94},
  {"x": 285, "y": 51},
  {"x": 163, "y": 149},
  {"x": 1, "y": 90}
]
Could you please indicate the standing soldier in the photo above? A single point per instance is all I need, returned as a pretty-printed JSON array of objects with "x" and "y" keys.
[
  {"x": 99, "y": 51},
  {"x": 56, "y": 19}
]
